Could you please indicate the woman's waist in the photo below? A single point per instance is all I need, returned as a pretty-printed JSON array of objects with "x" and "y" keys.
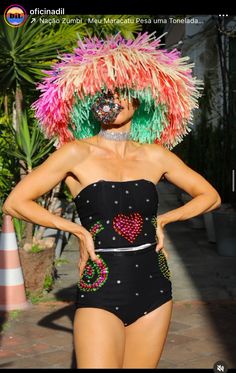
[{"x": 127, "y": 249}]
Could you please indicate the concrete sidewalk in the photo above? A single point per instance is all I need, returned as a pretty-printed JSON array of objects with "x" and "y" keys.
[{"x": 203, "y": 327}]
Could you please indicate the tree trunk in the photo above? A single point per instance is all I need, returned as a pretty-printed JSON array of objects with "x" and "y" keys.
[
  {"x": 19, "y": 107},
  {"x": 6, "y": 112},
  {"x": 29, "y": 229}
]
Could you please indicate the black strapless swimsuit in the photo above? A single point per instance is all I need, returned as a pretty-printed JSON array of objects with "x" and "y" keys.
[{"x": 132, "y": 279}]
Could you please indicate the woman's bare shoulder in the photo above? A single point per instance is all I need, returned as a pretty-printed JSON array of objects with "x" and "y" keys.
[
  {"x": 74, "y": 148},
  {"x": 157, "y": 151},
  {"x": 65, "y": 156}
]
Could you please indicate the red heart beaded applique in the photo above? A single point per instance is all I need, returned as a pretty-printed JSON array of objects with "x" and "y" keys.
[{"x": 128, "y": 227}]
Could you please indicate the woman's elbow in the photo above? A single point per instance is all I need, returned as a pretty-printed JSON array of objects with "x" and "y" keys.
[
  {"x": 8, "y": 207},
  {"x": 218, "y": 201}
]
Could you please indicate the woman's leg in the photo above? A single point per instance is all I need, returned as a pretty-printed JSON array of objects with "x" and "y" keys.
[
  {"x": 99, "y": 339},
  {"x": 145, "y": 338}
]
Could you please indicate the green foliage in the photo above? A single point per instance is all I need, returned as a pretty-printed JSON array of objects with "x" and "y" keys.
[
  {"x": 7, "y": 163},
  {"x": 112, "y": 24},
  {"x": 9, "y": 170},
  {"x": 36, "y": 249},
  {"x": 27, "y": 50},
  {"x": 60, "y": 261},
  {"x": 29, "y": 143},
  {"x": 12, "y": 315},
  {"x": 65, "y": 193},
  {"x": 34, "y": 298},
  {"x": 19, "y": 226},
  {"x": 48, "y": 282}
]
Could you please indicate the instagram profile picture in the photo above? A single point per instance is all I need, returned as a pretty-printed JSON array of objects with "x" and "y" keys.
[{"x": 15, "y": 15}]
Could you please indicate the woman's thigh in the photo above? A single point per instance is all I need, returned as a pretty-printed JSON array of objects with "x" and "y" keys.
[
  {"x": 99, "y": 339},
  {"x": 145, "y": 338}
]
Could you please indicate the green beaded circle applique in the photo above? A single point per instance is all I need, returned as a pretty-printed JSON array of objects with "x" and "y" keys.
[
  {"x": 94, "y": 276},
  {"x": 163, "y": 265}
]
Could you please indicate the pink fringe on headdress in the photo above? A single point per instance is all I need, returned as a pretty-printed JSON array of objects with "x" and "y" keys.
[{"x": 116, "y": 62}]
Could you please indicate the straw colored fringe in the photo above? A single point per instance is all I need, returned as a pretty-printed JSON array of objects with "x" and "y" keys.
[{"x": 160, "y": 79}]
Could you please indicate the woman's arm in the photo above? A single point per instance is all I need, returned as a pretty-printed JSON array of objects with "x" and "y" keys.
[
  {"x": 21, "y": 201},
  {"x": 205, "y": 196}
]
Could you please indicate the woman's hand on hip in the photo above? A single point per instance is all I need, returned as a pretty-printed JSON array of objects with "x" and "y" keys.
[
  {"x": 160, "y": 236},
  {"x": 87, "y": 251}
]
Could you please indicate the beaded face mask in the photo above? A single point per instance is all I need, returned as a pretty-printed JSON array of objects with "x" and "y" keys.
[{"x": 105, "y": 109}]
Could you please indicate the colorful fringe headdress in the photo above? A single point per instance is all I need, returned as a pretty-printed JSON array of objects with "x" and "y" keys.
[{"x": 161, "y": 80}]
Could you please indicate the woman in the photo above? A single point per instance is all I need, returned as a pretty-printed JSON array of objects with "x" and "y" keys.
[{"x": 124, "y": 301}]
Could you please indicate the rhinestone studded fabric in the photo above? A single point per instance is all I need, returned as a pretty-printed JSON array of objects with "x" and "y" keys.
[
  {"x": 94, "y": 276},
  {"x": 105, "y": 109},
  {"x": 96, "y": 228},
  {"x": 116, "y": 136},
  {"x": 163, "y": 265},
  {"x": 128, "y": 226}
]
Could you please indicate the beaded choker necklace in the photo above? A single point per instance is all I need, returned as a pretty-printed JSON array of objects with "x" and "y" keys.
[{"x": 116, "y": 136}]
